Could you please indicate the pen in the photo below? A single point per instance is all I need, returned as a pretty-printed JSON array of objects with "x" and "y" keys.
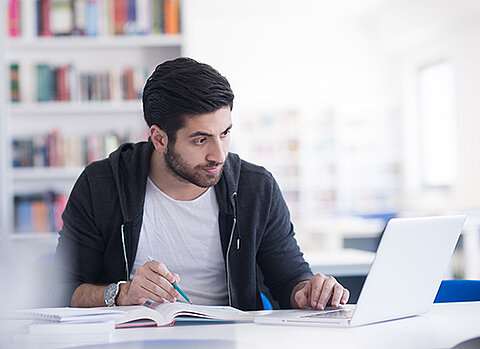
[{"x": 174, "y": 284}]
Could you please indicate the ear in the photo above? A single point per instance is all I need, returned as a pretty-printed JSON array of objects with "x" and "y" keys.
[{"x": 159, "y": 138}]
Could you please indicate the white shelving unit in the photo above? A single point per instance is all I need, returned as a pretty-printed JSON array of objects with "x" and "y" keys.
[
  {"x": 76, "y": 118},
  {"x": 327, "y": 162},
  {"x": 4, "y": 201}
]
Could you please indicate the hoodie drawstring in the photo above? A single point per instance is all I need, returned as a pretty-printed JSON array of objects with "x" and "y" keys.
[
  {"x": 124, "y": 252},
  {"x": 235, "y": 204},
  {"x": 234, "y": 196}
]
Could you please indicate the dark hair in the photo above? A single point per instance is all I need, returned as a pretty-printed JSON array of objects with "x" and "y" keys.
[{"x": 181, "y": 88}]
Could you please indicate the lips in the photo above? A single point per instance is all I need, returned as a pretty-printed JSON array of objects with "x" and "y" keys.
[{"x": 212, "y": 170}]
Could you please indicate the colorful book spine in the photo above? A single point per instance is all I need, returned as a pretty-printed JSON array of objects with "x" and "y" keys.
[
  {"x": 45, "y": 7},
  {"x": 79, "y": 17},
  {"x": 14, "y": 82},
  {"x": 100, "y": 17},
  {"x": 64, "y": 83},
  {"x": 14, "y": 17},
  {"x": 131, "y": 17},
  {"x": 39, "y": 212},
  {"x": 91, "y": 16},
  {"x": 120, "y": 16},
  {"x": 61, "y": 17},
  {"x": 23, "y": 220},
  {"x": 172, "y": 16},
  {"x": 55, "y": 150},
  {"x": 158, "y": 15},
  {"x": 144, "y": 17}
]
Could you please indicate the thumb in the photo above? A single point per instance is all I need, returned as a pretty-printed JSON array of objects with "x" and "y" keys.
[
  {"x": 177, "y": 278},
  {"x": 301, "y": 297}
]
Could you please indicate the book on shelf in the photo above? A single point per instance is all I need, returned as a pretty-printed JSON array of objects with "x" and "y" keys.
[
  {"x": 43, "y": 11},
  {"x": 39, "y": 212},
  {"x": 78, "y": 16},
  {"x": 91, "y": 16},
  {"x": 172, "y": 16},
  {"x": 62, "y": 82},
  {"x": 40, "y": 216},
  {"x": 14, "y": 18},
  {"x": 61, "y": 19},
  {"x": 100, "y": 17},
  {"x": 56, "y": 150},
  {"x": 14, "y": 83}
]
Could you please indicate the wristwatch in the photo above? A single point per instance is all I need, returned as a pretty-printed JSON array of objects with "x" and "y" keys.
[{"x": 111, "y": 293}]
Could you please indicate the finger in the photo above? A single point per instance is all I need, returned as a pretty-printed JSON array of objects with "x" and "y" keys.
[
  {"x": 137, "y": 294},
  {"x": 326, "y": 293},
  {"x": 345, "y": 296},
  {"x": 155, "y": 283},
  {"x": 301, "y": 297},
  {"x": 148, "y": 294},
  {"x": 316, "y": 289},
  {"x": 162, "y": 274},
  {"x": 160, "y": 269},
  {"x": 337, "y": 295},
  {"x": 308, "y": 293},
  {"x": 161, "y": 287}
]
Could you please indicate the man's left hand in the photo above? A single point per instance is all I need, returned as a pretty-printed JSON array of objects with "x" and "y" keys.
[{"x": 318, "y": 292}]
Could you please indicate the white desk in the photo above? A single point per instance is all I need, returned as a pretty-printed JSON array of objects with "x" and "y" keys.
[{"x": 443, "y": 327}]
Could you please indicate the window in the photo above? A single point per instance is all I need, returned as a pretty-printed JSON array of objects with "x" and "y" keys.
[{"x": 438, "y": 143}]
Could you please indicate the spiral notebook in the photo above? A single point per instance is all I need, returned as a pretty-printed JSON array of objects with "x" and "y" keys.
[{"x": 67, "y": 314}]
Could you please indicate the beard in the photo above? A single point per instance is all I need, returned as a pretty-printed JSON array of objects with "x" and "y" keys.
[{"x": 191, "y": 174}]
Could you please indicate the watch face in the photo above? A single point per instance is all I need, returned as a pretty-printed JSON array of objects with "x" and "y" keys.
[{"x": 110, "y": 294}]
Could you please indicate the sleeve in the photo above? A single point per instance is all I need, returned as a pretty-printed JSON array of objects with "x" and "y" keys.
[
  {"x": 78, "y": 256},
  {"x": 279, "y": 256}
]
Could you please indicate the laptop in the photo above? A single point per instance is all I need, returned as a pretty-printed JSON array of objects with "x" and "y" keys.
[{"x": 403, "y": 280}]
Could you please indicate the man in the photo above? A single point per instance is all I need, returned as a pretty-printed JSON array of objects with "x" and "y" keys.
[{"x": 182, "y": 199}]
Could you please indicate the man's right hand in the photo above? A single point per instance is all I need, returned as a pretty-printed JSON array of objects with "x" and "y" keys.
[{"x": 151, "y": 281}]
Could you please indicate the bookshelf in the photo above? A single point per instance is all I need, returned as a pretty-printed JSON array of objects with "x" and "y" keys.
[
  {"x": 94, "y": 57},
  {"x": 327, "y": 162}
]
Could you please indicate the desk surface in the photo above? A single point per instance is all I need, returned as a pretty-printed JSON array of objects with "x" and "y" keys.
[{"x": 444, "y": 326}]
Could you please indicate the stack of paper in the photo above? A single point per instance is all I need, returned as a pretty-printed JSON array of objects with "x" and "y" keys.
[{"x": 68, "y": 325}]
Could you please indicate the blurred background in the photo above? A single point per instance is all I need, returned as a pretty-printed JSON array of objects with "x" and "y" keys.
[{"x": 363, "y": 110}]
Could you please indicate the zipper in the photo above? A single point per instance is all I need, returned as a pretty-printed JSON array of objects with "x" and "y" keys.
[
  {"x": 229, "y": 247},
  {"x": 122, "y": 228}
]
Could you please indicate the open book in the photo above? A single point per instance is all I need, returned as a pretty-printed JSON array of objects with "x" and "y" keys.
[{"x": 164, "y": 314}]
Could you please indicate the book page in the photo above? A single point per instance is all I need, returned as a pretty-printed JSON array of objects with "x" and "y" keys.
[{"x": 172, "y": 310}]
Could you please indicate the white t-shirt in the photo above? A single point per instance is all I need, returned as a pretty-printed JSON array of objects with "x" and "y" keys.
[{"x": 184, "y": 235}]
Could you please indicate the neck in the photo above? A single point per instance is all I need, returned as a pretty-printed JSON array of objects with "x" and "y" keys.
[{"x": 170, "y": 183}]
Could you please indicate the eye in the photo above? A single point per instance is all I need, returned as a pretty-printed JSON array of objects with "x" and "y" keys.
[
  {"x": 200, "y": 141},
  {"x": 226, "y": 133}
]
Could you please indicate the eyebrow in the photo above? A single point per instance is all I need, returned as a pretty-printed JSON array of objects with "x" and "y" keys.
[{"x": 204, "y": 134}]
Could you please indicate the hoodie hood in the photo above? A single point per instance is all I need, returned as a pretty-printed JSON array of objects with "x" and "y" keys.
[{"x": 130, "y": 164}]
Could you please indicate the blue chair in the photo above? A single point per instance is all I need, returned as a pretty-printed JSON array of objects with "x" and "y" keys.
[
  {"x": 458, "y": 290},
  {"x": 266, "y": 303}
]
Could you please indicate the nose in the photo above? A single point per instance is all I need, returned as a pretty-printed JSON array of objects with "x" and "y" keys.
[{"x": 217, "y": 152}]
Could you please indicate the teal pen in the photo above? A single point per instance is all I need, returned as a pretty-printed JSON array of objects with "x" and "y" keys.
[{"x": 174, "y": 284}]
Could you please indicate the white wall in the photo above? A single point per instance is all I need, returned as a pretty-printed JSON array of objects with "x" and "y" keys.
[
  {"x": 324, "y": 54},
  {"x": 456, "y": 43},
  {"x": 283, "y": 53}
]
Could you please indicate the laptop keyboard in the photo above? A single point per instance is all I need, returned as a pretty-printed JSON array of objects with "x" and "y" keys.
[{"x": 335, "y": 314}]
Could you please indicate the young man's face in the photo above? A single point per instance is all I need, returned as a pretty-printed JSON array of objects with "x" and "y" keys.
[{"x": 201, "y": 148}]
